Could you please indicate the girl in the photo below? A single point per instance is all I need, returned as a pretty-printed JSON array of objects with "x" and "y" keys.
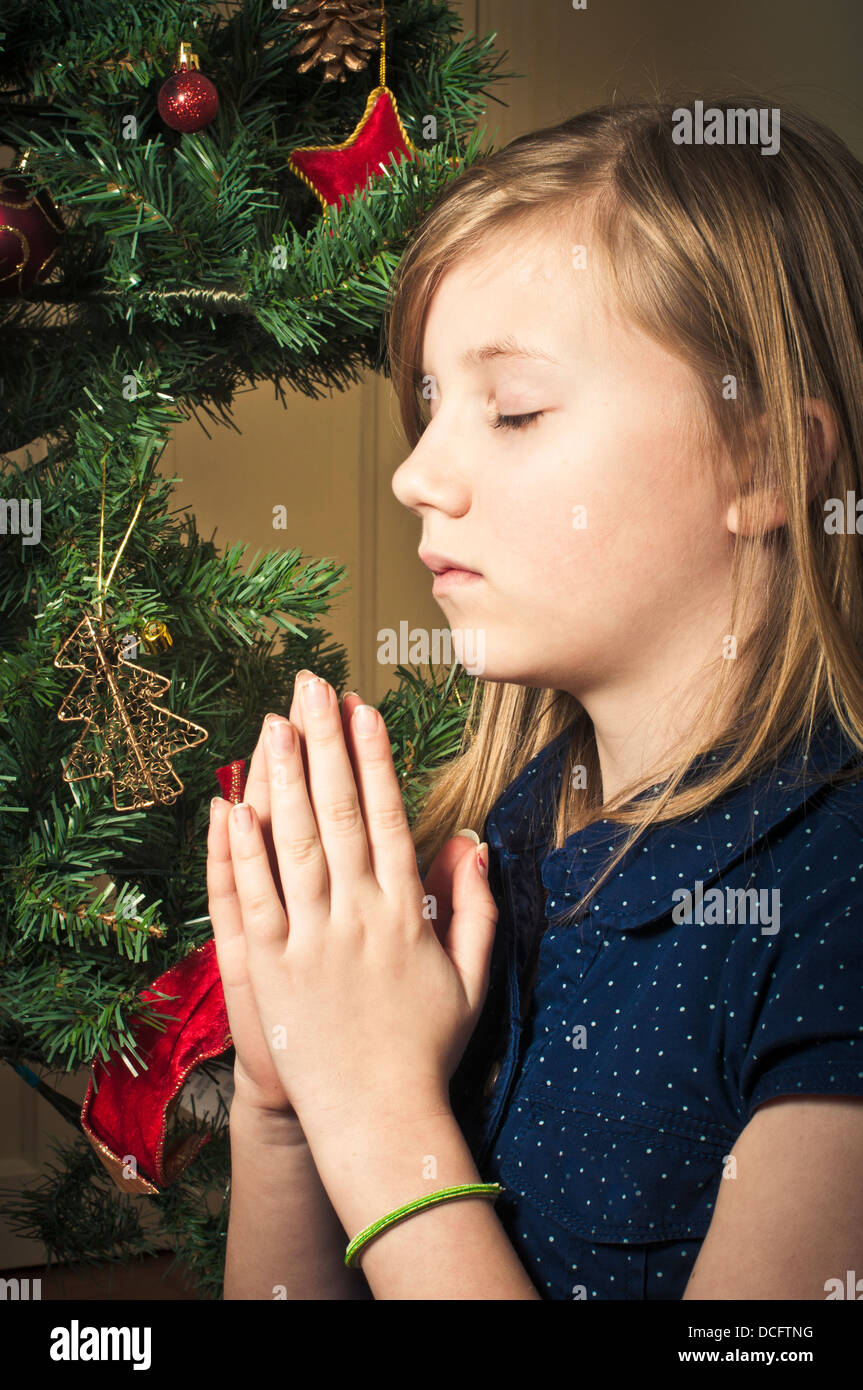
[{"x": 629, "y": 370}]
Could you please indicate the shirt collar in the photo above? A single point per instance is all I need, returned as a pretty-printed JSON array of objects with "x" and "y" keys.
[
  {"x": 514, "y": 822},
  {"x": 668, "y": 856}
]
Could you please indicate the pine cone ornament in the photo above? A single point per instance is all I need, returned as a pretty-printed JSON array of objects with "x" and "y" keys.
[{"x": 338, "y": 34}]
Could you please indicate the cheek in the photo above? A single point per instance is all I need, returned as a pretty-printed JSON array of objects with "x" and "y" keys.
[
  {"x": 646, "y": 496},
  {"x": 625, "y": 505}
]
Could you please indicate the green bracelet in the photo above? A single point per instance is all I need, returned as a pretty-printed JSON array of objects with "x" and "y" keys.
[{"x": 468, "y": 1189}]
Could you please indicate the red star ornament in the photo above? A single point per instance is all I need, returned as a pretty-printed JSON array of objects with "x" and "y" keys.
[{"x": 333, "y": 171}]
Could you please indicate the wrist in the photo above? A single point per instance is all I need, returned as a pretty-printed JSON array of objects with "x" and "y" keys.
[
  {"x": 378, "y": 1162},
  {"x": 381, "y": 1111},
  {"x": 268, "y": 1127},
  {"x": 271, "y": 1099}
]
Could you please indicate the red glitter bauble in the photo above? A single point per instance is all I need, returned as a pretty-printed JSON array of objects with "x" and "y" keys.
[
  {"x": 188, "y": 101},
  {"x": 30, "y": 232}
]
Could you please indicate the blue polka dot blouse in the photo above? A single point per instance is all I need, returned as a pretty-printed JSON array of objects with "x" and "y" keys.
[{"x": 721, "y": 965}]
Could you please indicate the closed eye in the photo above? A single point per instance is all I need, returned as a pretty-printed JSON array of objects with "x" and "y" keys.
[{"x": 516, "y": 422}]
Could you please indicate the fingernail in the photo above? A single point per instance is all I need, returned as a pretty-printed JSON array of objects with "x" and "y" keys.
[
  {"x": 315, "y": 693},
  {"x": 216, "y": 801},
  {"x": 366, "y": 719},
  {"x": 282, "y": 735},
  {"x": 351, "y": 692},
  {"x": 471, "y": 834},
  {"x": 242, "y": 817},
  {"x": 482, "y": 859}
]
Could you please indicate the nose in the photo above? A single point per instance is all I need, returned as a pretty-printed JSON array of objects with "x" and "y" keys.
[
  {"x": 405, "y": 484},
  {"x": 433, "y": 476}
]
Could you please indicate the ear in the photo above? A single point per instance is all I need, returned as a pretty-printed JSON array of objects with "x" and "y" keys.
[{"x": 823, "y": 445}]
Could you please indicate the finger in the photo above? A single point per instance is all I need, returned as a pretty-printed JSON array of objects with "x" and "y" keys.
[
  {"x": 226, "y": 917},
  {"x": 437, "y": 883},
  {"x": 265, "y": 923},
  {"x": 333, "y": 791},
  {"x": 227, "y": 921},
  {"x": 257, "y": 794},
  {"x": 302, "y": 866},
  {"x": 295, "y": 714},
  {"x": 391, "y": 846},
  {"x": 350, "y": 702},
  {"x": 224, "y": 905},
  {"x": 471, "y": 932},
  {"x": 257, "y": 788}
]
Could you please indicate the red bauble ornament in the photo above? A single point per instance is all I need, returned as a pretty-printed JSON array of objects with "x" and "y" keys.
[
  {"x": 188, "y": 101},
  {"x": 30, "y": 231}
]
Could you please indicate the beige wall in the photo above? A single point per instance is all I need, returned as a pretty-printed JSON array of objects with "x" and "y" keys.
[{"x": 331, "y": 461}]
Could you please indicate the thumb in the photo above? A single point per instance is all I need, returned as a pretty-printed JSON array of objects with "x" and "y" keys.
[
  {"x": 438, "y": 880},
  {"x": 471, "y": 932}
]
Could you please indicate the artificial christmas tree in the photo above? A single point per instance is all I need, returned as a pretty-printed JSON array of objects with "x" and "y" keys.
[{"x": 185, "y": 265}]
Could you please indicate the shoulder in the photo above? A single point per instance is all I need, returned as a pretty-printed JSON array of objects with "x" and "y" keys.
[
  {"x": 818, "y": 848},
  {"x": 812, "y": 863},
  {"x": 793, "y": 987},
  {"x": 839, "y": 800}
]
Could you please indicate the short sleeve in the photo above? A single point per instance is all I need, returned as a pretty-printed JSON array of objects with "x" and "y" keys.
[{"x": 804, "y": 1022}]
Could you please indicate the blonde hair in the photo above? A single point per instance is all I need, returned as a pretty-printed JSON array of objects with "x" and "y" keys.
[{"x": 743, "y": 265}]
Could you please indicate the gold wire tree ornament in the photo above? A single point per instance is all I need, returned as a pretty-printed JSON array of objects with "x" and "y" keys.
[{"x": 127, "y": 735}]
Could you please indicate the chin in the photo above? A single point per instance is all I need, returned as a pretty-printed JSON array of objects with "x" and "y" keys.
[{"x": 470, "y": 648}]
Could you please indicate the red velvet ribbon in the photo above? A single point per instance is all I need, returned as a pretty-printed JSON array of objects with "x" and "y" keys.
[{"x": 126, "y": 1118}]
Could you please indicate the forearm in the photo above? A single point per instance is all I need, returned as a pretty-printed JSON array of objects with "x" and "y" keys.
[
  {"x": 282, "y": 1231},
  {"x": 455, "y": 1250}
]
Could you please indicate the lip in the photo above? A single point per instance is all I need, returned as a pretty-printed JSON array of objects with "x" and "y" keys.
[
  {"x": 452, "y": 578},
  {"x": 443, "y": 564}
]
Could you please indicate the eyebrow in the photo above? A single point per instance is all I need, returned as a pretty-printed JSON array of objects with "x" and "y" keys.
[{"x": 505, "y": 347}]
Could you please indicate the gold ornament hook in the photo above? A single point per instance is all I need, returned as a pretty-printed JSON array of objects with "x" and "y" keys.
[{"x": 187, "y": 58}]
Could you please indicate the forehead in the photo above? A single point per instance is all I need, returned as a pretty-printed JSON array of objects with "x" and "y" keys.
[{"x": 539, "y": 285}]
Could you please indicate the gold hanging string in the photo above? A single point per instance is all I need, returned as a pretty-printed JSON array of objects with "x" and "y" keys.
[
  {"x": 101, "y": 539},
  {"x": 383, "y": 82},
  {"x": 129, "y": 530},
  {"x": 100, "y": 592}
]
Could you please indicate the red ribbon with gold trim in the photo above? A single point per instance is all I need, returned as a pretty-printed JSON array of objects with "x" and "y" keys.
[{"x": 126, "y": 1116}]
